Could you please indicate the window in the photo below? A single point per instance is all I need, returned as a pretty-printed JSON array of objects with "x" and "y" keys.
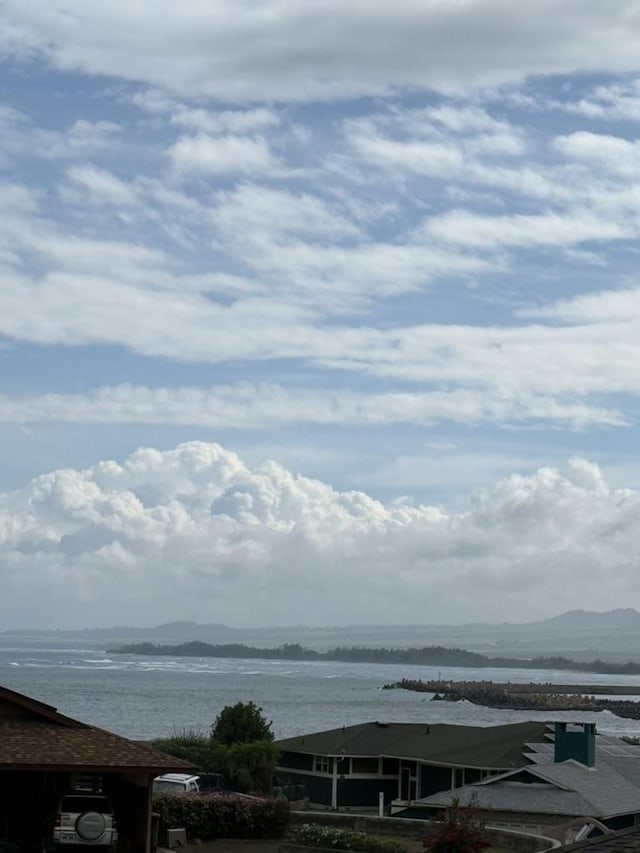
[{"x": 322, "y": 764}]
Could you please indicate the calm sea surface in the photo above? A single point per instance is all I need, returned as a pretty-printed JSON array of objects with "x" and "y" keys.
[{"x": 145, "y": 697}]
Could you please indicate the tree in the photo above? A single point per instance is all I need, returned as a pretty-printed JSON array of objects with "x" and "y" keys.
[
  {"x": 240, "y": 746},
  {"x": 243, "y": 722},
  {"x": 458, "y": 832}
]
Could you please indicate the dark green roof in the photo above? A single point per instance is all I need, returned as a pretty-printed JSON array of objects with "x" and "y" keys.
[{"x": 499, "y": 747}]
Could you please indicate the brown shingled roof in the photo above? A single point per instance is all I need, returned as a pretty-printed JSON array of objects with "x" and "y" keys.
[{"x": 37, "y": 737}]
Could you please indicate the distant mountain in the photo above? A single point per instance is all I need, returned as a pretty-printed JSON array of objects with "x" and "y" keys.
[
  {"x": 579, "y": 620},
  {"x": 168, "y": 631}
]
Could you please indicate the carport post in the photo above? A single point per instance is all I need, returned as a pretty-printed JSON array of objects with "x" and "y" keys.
[{"x": 147, "y": 847}]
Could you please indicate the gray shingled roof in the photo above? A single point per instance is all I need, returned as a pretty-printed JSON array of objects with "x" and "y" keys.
[
  {"x": 623, "y": 841},
  {"x": 567, "y": 788},
  {"x": 497, "y": 747},
  {"x": 513, "y": 797}
]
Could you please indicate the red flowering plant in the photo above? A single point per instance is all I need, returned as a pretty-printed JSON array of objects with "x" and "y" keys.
[{"x": 459, "y": 831}]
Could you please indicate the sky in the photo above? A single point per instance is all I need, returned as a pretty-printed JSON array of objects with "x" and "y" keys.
[{"x": 316, "y": 312}]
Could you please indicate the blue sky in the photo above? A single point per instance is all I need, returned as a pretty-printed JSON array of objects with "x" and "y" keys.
[{"x": 389, "y": 251}]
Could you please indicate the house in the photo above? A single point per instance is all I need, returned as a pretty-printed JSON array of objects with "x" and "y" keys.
[
  {"x": 571, "y": 778},
  {"x": 352, "y": 765},
  {"x": 45, "y": 754}
]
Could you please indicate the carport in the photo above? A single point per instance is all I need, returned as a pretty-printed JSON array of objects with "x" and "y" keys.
[{"x": 44, "y": 754}]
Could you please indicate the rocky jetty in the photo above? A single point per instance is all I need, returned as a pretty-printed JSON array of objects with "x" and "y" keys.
[{"x": 529, "y": 697}]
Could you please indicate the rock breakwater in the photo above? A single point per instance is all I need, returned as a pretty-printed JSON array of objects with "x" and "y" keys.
[{"x": 529, "y": 697}]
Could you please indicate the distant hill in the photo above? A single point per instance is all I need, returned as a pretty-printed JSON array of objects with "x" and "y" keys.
[
  {"x": 582, "y": 635},
  {"x": 622, "y": 618}
]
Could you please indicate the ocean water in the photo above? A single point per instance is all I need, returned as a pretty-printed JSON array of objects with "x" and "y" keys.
[{"x": 145, "y": 697}]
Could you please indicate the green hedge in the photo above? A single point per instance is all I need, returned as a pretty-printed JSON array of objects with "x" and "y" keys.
[
  {"x": 312, "y": 835},
  {"x": 221, "y": 816},
  {"x": 248, "y": 767}
]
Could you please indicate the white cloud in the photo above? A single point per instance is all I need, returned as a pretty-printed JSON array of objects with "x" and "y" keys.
[
  {"x": 102, "y": 185},
  {"x": 18, "y": 198},
  {"x": 609, "y": 306},
  {"x": 21, "y": 137},
  {"x": 617, "y": 101},
  {"x": 194, "y": 525},
  {"x": 217, "y": 155},
  {"x": 84, "y": 137},
  {"x": 237, "y": 51},
  {"x": 312, "y": 252},
  {"x": 469, "y": 118},
  {"x": 616, "y": 155},
  {"x": 311, "y": 275},
  {"x": 261, "y": 215},
  {"x": 423, "y": 158},
  {"x": 444, "y": 468},
  {"x": 308, "y": 264},
  {"x": 532, "y": 371},
  {"x": 460, "y": 145},
  {"x": 549, "y": 229},
  {"x": 249, "y": 406},
  {"x": 224, "y": 121}
]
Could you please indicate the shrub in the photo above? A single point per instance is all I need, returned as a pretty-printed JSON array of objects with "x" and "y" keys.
[
  {"x": 344, "y": 839},
  {"x": 250, "y": 766},
  {"x": 209, "y": 816},
  {"x": 459, "y": 831},
  {"x": 195, "y": 748},
  {"x": 243, "y": 722}
]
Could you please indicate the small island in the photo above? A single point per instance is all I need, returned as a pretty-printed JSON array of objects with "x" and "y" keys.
[{"x": 423, "y": 656}]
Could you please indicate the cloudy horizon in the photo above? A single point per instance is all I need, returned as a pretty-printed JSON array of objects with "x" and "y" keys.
[
  {"x": 375, "y": 265},
  {"x": 194, "y": 533}
]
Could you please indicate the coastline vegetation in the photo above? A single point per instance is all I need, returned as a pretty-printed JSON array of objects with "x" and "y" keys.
[
  {"x": 239, "y": 746},
  {"x": 423, "y": 656}
]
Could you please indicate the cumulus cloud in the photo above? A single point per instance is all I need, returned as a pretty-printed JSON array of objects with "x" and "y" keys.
[
  {"x": 193, "y": 532},
  {"x": 322, "y": 48}
]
